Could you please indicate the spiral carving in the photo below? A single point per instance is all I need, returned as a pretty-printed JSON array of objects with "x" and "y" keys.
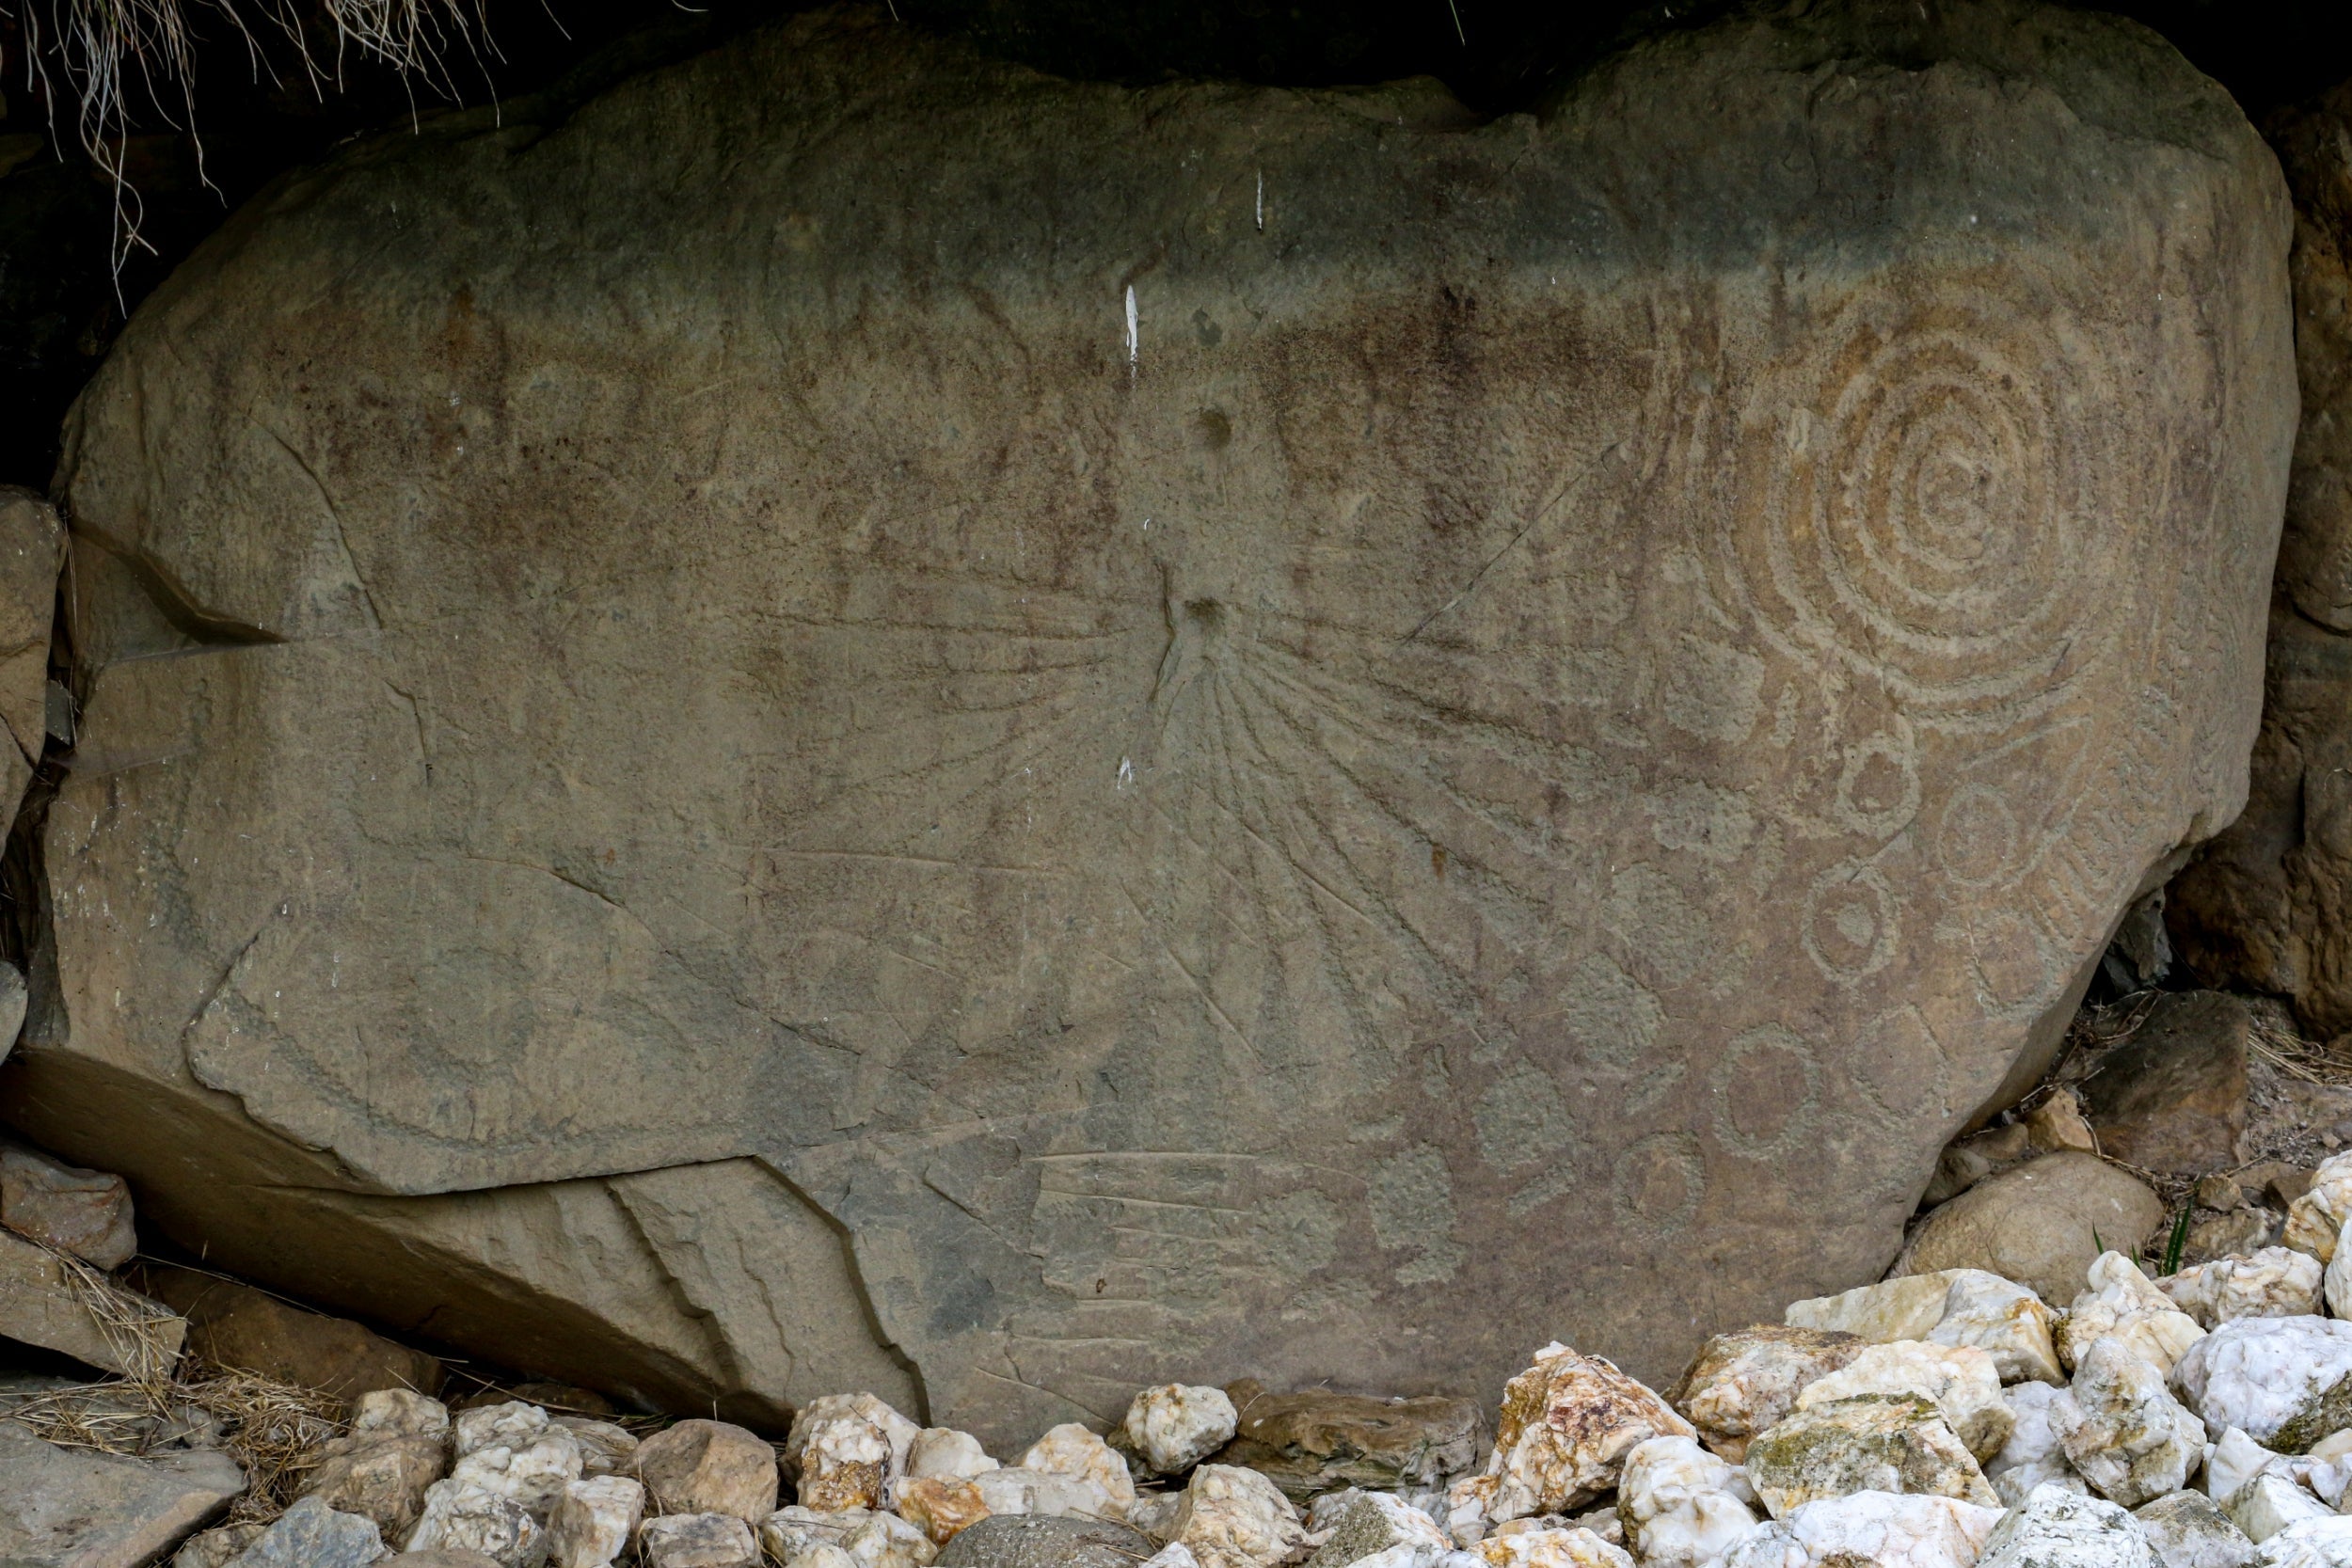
[{"x": 1933, "y": 484}]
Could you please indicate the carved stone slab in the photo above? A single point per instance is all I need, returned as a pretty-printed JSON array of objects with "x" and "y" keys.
[{"x": 1213, "y": 731}]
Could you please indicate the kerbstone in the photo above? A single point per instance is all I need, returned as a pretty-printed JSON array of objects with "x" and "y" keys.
[{"x": 768, "y": 785}]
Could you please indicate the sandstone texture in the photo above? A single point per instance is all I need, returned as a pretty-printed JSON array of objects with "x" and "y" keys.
[
  {"x": 1014, "y": 1541},
  {"x": 85, "y": 1316},
  {"x": 63, "y": 1508},
  {"x": 2041, "y": 1223},
  {"x": 1315, "y": 1440},
  {"x": 1266, "y": 713},
  {"x": 85, "y": 1213},
  {"x": 237, "y": 1326},
  {"x": 2172, "y": 1097}
]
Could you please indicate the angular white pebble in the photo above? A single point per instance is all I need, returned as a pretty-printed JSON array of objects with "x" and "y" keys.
[
  {"x": 2269, "y": 1503},
  {"x": 1680, "y": 1505},
  {"x": 2275, "y": 1282},
  {"x": 1378, "y": 1525},
  {"x": 2183, "y": 1529},
  {"x": 1176, "y": 1425},
  {"x": 1547, "y": 1548},
  {"x": 698, "y": 1540},
  {"x": 1886, "y": 1529},
  {"x": 1961, "y": 1380},
  {"x": 1071, "y": 1449},
  {"x": 465, "y": 1517},
  {"x": 2033, "y": 1456},
  {"x": 2003, "y": 1319},
  {"x": 2282, "y": 1380},
  {"x": 2315, "y": 1220},
  {"x": 2059, "y": 1528},
  {"x": 593, "y": 1520},
  {"x": 509, "y": 1425},
  {"x": 1235, "y": 1518},
  {"x": 2130, "y": 1438},
  {"x": 2125, "y": 1304},
  {"x": 2316, "y": 1544},
  {"x": 944, "y": 1451}
]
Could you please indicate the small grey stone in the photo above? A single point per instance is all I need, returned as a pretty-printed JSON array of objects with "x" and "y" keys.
[
  {"x": 1032, "y": 1541},
  {"x": 2185, "y": 1530},
  {"x": 312, "y": 1535},
  {"x": 212, "y": 1547}
]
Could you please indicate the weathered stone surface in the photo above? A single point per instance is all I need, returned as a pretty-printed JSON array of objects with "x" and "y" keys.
[
  {"x": 1051, "y": 801},
  {"x": 1961, "y": 1380},
  {"x": 593, "y": 1520},
  {"x": 1371, "y": 1524},
  {"x": 2123, "y": 1429},
  {"x": 1904, "y": 1308},
  {"x": 1071, "y": 1449},
  {"x": 237, "y": 1326},
  {"x": 1233, "y": 1518},
  {"x": 2266, "y": 904},
  {"x": 2003, "y": 1319},
  {"x": 1314, "y": 1440},
  {"x": 605, "y": 1448},
  {"x": 68, "y": 1508},
  {"x": 1014, "y": 1489},
  {"x": 1740, "y": 1383},
  {"x": 698, "y": 1540},
  {"x": 942, "y": 1506},
  {"x": 947, "y": 1452},
  {"x": 1565, "y": 1425},
  {"x": 42, "y": 1303},
  {"x": 1016, "y": 1540},
  {"x": 1175, "y": 1425},
  {"x": 2285, "y": 1382},
  {"x": 1552, "y": 1548},
  {"x": 2124, "y": 1305},
  {"x": 380, "y": 1476},
  {"x": 2059, "y": 1528},
  {"x": 2313, "y": 1543},
  {"x": 534, "y": 1473},
  {"x": 312, "y": 1535},
  {"x": 2172, "y": 1097},
  {"x": 214, "y": 1547},
  {"x": 2034, "y": 1455},
  {"x": 2268, "y": 1503},
  {"x": 2183, "y": 1529},
  {"x": 2276, "y": 1282},
  {"x": 85, "y": 1212},
  {"x": 467, "y": 1516},
  {"x": 1871, "y": 1443},
  {"x": 844, "y": 1450},
  {"x": 714, "y": 1467},
  {"x": 1883, "y": 1529},
  {"x": 1681, "y": 1507},
  {"x": 2041, "y": 1223},
  {"x": 2316, "y": 1218}
]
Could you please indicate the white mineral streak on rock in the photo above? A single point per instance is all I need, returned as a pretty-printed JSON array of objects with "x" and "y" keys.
[
  {"x": 1468, "y": 1509},
  {"x": 1873, "y": 1443},
  {"x": 1552, "y": 1548},
  {"x": 2124, "y": 1304},
  {"x": 2315, "y": 1544},
  {"x": 1178, "y": 1425},
  {"x": 943, "y": 1451},
  {"x": 593, "y": 1520},
  {"x": 1881, "y": 1528},
  {"x": 1376, "y": 1525},
  {"x": 1235, "y": 1518},
  {"x": 510, "y": 1425},
  {"x": 2316, "y": 1220},
  {"x": 2269, "y": 1503},
  {"x": 2033, "y": 1455},
  {"x": 2328, "y": 1468},
  {"x": 2183, "y": 1529},
  {"x": 1742, "y": 1382},
  {"x": 1905, "y": 1308},
  {"x": 2276, "y": 1282},
  {"x": 845, "y": 1451},
  {"x": 1565, "y": 1426},
  {"x": 2059, "y": 1528},
  {"x": 1071, "y": 1449},
  {"x": 1961, "y": 1380},
  {"x": 1680, "y": 1505},
  {"x": 2005, "y": 1320},
  {"x": 2280, "y": 1379},
  {"x": 699, "y": 1540},
  {"x": 1174, "y": 1555},
  {"x": 534, "y": 1473},
  {"x": 465, "y": 1516},
  {"x": 2338, "y": 1281}
]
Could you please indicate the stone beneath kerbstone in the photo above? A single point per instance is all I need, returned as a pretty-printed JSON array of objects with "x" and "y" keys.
[
  {"x": 2124, "y": 1305},
  {"x": 2123, "y": 1429},
  {"x": 1883, "y": 1529},
  {"x": 701, "y": 1466},
  {"x": 593, "y": 1520},
  {"x": 2313, "y": 1543},
  {"x": 42, "y": 1302},
  {"x": 381, "y": 1476},
  {"x": 1961, "y": 1380},
  {"x": 1232, "y": 1518},
  {"x": 1376, "y": 1523},
  {"x": 2059, "y": 1528},
  {"x": 2034, "y": 1455},
  {"x": 698, "y": 1540},
  {"x": 844, "y": 1450},
  {"x": 1680, "y": 1506},
  {"x": 2275, "y": 1282},
  {"x": 236, "y": 1325},
  {"x": 85, "y": 1212},
  {"x": 2041, "y": 1224},
  {"x": 1742, "y": 1382},
  {"x": 1871, "y": 1443},
  {"x": 2172, "y": 1097},
  {"x": 1564, "y": 1428},
  {"x": 312, "y": 1535},
  {"x": 2285, "y": 1382},
  {"x": 1314, "y": 1440},
  {"x": 1175, "y": 1425},
  {"x": 1027, "y": 1542},
  {"x": 2183, "y": 1529},
  {"x": 71, "y": 1507},
  {"x": 1070, "y": 1449},
  {"x": 1552, "y": 1548},
  {"x": 32, "y": 550},
  {"x": 214, "y": 1547},
  {"x": 994, "y": 822}
]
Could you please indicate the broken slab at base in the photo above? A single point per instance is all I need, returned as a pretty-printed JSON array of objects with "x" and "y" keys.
[
  {"x": 49, "y": 1301},
  {"x": 71, "y": 1507}
]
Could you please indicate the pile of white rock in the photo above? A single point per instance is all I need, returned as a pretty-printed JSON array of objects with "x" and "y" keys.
[{"x": 1936, "y": 1420}]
